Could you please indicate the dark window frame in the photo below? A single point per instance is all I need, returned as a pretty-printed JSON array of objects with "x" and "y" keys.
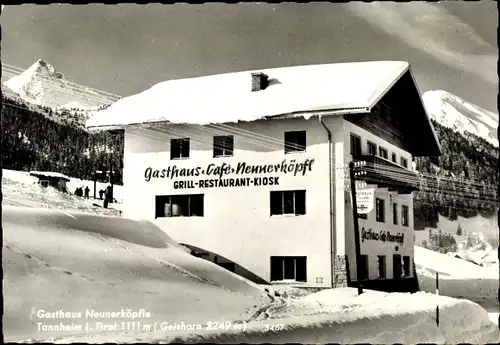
[
  {"x": 394, "y": 158},
  {"x": 371, "y": 145},
  {"x": 404, "y": 162},
  {"x": 406, "y": 266},
  {"x": 354, "y": 138},
  {"x": 295, "y": 141},
  {"x": 382, "y": 152},
  {"x": 223, "y": 146},
  {"x": 282, "y": 196},
  {"x": 380, "y": 216},
  {"x": 395, "y": 213},
  {"x": 180, "y": 148},
  {"x": 193, "y": 209},
  {"x": 280, "y": 272},
  {"x": 405, "y": 215}
]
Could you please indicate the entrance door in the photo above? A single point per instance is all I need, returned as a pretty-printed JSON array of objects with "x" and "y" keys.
[{"x": 396, "y": 266}]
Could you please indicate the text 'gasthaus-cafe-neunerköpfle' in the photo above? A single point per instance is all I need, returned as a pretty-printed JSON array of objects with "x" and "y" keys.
[{"x": 215, "y": 174}]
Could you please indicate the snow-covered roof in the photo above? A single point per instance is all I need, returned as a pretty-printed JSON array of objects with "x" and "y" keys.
[
  {"x": 224, "y": 98},
  {"x": 49, "y": 174}
]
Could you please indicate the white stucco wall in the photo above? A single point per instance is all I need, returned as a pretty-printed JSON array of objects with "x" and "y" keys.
[
  {"x": 237, "y": 222},
  {"x": 372, "y": 247}
]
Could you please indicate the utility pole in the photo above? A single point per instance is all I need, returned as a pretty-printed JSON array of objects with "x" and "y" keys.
[{"x": 357, "y": 245}]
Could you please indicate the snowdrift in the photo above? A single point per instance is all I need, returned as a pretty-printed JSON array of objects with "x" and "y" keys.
[
  {"x": 75, "y": 261},
  {"x": 340, "y": 316},
  {"x": 459, "y": 278}
]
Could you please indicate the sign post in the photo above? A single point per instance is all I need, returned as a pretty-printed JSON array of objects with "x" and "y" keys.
[{"x": 356, "y": 222}]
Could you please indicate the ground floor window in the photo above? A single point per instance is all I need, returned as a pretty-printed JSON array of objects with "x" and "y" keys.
[
  {"x": 188, "y": 205},
  {"x": 406, "y": 266},
  {"x": 381, "y": 266},
  {"x": 289, "y": 268},
  {"x": 396, "y": 266},
  {"x": 288, "y": 202},
  {"x": 363, "y": 268}
]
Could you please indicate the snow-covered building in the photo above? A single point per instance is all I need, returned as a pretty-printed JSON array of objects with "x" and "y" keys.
[
  {"x": 249, "y": 168},
  {"x": 52, "y": 179}
]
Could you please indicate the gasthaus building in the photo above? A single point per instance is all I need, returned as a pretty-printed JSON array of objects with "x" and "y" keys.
[{"x": 248, "y": 169}]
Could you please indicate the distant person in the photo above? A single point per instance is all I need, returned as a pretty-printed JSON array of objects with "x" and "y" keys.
[
  {"x": 87, "y": 190},
  {"x": 106, "y": 199},
  {"x": 101, "y": 193}
]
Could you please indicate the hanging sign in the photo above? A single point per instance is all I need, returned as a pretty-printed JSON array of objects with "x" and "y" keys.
[{"x": 364, "y": 200}]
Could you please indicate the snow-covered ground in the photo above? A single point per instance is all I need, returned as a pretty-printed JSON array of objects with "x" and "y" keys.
[
  {"x": 459, "y": 278},
  {"x": 55, "y": 259},
  {"x": 21, "y": 189}
]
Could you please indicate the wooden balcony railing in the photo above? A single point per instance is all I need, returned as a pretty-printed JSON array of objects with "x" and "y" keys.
[{"x": 387, "y": 174}]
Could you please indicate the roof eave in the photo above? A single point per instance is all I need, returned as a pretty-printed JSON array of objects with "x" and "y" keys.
[
  {"x": 436, "y": 140},
  {"x": 393, "y": 82}
]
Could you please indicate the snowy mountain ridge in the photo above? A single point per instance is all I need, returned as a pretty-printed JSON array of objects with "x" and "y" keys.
[
  {"x": 42, "y": 85},
  {"x": 453, "y": 112}
]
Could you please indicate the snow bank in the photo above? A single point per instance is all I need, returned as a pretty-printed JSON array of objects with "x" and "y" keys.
[
  {"x": 459, "y": 278},
  {"x": 340, "y": 316},
  {"x": 76, "y": 261},
  {"x": 448, "y": 265}
]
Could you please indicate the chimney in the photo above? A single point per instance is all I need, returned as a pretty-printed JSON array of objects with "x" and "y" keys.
[{"x": 259, "y": 81}]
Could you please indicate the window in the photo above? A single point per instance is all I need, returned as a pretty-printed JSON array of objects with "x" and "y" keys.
[
  {"x": 288, "y": 202},
  {"x": 404, "y": 215},
  {"x": 395, "y": 214},
  {"x": 355, "y": 145},
  {"x": 380, "y": 210},
  {"x": 381, "y": 266},
  {"x": 406, "y": 266},
  {"x": 396, "y": 266},
  {"x": 179, "y": 148},
  {"x": 382, "y": 152},
  {"x": 404, "y": 162},
  {"x": 372, "y": 149},
  {"x": 223, "y": 146},
  {"x": 394, "y": 158},
  {"x": 295, "y": 141},
  {"x": 289, "y": 268},
  {"x": 363, "y": 267},
  {"x": 189, "y": 205}
]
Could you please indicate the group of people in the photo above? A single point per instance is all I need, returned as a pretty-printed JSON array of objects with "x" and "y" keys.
[{"x": 79, "y": 191}]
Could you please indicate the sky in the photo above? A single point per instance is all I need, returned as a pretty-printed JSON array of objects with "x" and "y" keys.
[{"x": 127, "y": 48}]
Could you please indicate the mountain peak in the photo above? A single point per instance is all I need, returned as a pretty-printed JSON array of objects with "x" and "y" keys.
[
  {"x": 453, "y": 112},
  {"x": 41, "y": 84}
]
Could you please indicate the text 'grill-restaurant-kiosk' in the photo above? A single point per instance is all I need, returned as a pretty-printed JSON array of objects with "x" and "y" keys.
[{"x": 251, "y": 169}]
